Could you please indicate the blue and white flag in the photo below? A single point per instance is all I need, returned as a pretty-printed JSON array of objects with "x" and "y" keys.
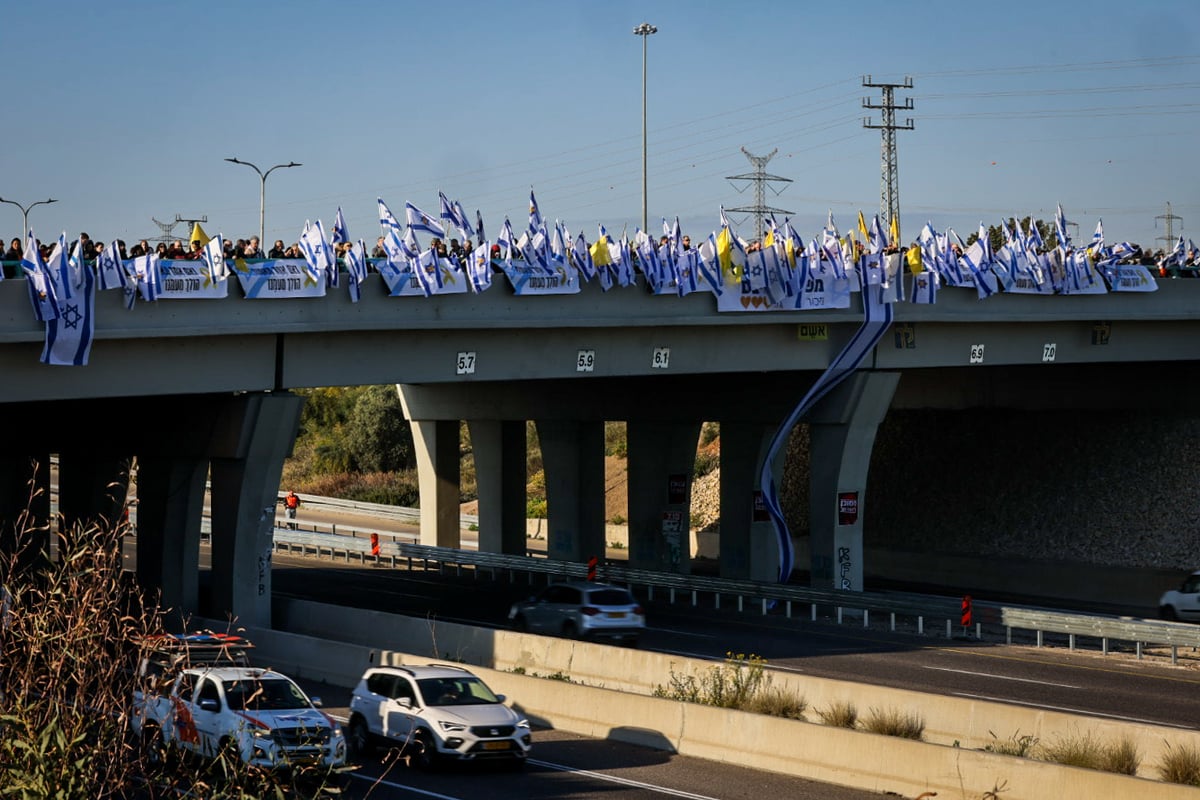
[
  {"x": 340, "y": 235},
  {"x": 1033, "y": 239},
  {"x": 42, "y": 293},
  {"x": 709, "y": 265},
  {"x": 877, "y": 240},
  {"x": 76, "y": 266},
  {"x": 507, "y": 242},
  {"x": 109, "y": 268},
  {"x": 1060, "y": 228},
  {"x": 410, "y": 246},
  {"x": 535, "y": 216},
  {"x": 214, "y": 259},
  {"x": 581, "y": 257},
  {"x": 149, "y": 278},
  {"x": 428, "y": 273},
  {"x": 69, "y": 337},
  {"x": 388, "y": 221},
  {"x": 58, "y": 268},
  {"x": 1098, "y": 236},
  {"x": 318, "y": 253},
  {"x": 925, "y": 287},
  {"x": 356, "y": 266},
  {"x": 457, "y": 216},
  {"x": 418, "y": 220},
  {"x": 480, "y": 268}
]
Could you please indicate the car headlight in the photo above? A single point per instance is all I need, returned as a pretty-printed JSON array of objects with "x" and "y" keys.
[
  {"x": 522, "y": 723},
  {"x": 337, "y": 735},
  {"x": 451, "y": 726},
  {"x": 261, "y": 734}
]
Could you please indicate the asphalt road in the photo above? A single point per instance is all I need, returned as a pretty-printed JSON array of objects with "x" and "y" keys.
[{"x": 1116, "y": 686}]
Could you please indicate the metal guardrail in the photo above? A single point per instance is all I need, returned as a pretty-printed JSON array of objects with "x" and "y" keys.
[
  {"x": 382, "y": 510},
  {"x": 768, "y": 596}
]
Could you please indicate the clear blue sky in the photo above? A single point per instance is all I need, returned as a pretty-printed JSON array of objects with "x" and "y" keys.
[{"x": 123, "y": 111}]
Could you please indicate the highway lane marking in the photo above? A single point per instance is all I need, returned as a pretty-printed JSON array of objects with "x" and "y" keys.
[
  {"x": 393, "y": 785},
  {"x": 1069, "y": 710},
  {"x": 650, "y": 787},
  {"x": 1128, "y": 666},
  {"x": 1003, "y": 677}
]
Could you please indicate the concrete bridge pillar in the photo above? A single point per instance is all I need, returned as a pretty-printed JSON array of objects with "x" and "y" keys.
[
  {"x": 842, "y": 429},
  {"x": 91, "y": 489},
  {"x": 662, "y": 456},
  {"x": 436, "y": 443},
  {"x": 170, "y": 512},
  {"x": 573, "y": 458},
  {"x": 500, "y": 452},
  {"x": 748, "y": 549},
  {"x": 254, "y": 433}
]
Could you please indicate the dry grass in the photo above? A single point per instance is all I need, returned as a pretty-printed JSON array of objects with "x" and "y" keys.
[
  {"x": 893, "y": 722},
  {"x": 1181, "y": 764},
  {"x": 839, "y": 714},
  {"x": 1087, "y": 751}
]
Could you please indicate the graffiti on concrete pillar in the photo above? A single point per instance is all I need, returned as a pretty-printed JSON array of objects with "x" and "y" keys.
[
  {"x": 264, "y": 567},
  {"x": 844, "y": 565}
]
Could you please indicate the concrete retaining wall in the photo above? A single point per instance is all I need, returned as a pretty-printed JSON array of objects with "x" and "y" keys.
[
  {"x": 816, "y": 752},
  {"x": 948, "y": 720}
]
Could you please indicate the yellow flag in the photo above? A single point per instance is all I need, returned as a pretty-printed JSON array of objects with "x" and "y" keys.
[
  {"x": 913, "y": 257},
  {"x": 600, "y": 254},
  {"x": 769, "y": 238},
  {"x": 894, "y": 231},
  {"x": 862, "y": 228},
  {"x": 198, "y": 235},
  {"x": 732, "y": 273}
]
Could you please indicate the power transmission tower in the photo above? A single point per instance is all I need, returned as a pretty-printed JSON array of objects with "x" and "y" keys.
[
  {"x": 889, "y": 183},
  {"x": 760, "y": 178},
  {"x": 1170, "y": 220},
  {"x": 168, "y": 228}
]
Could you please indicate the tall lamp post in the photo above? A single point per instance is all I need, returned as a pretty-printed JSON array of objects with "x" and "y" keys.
[
  {"x": 645, "y": 30},
  {"x": 25, "y": 214},
  {"x": 262, "y": 194}
]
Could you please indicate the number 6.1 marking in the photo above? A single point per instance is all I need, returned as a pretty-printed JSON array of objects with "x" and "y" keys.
[{"x": 661, "y": 359}]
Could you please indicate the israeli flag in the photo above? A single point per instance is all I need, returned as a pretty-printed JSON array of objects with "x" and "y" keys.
[
  {"x": 535, "y": 216},
  {"x": 1060, "y": 228},
  {"x": 69, "y": 337},
  {"x": 1098, "y": 236},
  {"x": 925, "y": 287},
  {"x": 340, "y": 235},
  {"x": 505, "y": 240},
  {"x": 428, "y": 272},
  {"x": 214, "y": 259},
  {"x": 41, "y": 289},
  {"x": 581, "y": 256},
  {"x": 318, "y": 254},
  {"x": 58, "y": 269},
  {"x": 356, "y": 266},
  {"x": 387, "y": 220},
  {"x": 420, "y": 221},
  {"x": 480, "y": 268},
  {"x": 109, "y": 268}
]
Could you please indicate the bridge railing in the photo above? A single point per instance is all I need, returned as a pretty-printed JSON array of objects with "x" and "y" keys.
[{"x": 919, "y": 611}]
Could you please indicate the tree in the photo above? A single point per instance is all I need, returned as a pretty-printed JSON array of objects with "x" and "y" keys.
[{"x": 378, "y": 437}]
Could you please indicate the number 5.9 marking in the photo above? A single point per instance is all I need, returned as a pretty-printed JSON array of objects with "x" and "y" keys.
[
  {"x": 465, "y": 364},
  {"x": 585, "y": 361}
]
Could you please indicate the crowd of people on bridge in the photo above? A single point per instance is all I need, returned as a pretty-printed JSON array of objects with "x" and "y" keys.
[{"x": 250, "y": 248}]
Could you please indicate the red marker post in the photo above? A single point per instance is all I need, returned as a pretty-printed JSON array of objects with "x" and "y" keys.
[
  {"x": 375, "y": 544},
  {"x": 966, "y": 611},
  {"x": 593, "y": 562}
]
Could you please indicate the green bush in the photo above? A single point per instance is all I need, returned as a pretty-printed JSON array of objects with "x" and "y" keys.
[
  {"x": 740, "y": 683},
  {"x": 535, "y": 508}
]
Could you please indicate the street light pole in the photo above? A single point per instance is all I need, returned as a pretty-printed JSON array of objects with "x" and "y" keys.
[
  {"x": 645, "y": 30},
  {"x": 25, "y": 214},
  {"x": 262, "y": 193}
]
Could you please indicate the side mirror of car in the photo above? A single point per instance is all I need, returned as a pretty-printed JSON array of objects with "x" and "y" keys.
[
  {"x": 316, "y": 701},
  {"x": 405, "y": 702},
  {"x": 500, "y": 698},
  {"x": 210, "y": 705}
]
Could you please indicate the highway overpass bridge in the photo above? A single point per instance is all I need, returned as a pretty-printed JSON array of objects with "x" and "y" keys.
[{"x": 191, "y": 387}]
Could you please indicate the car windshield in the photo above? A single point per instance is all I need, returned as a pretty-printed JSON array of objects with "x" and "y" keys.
[
  {"x": 272, "y": 694},
  {"x": 466, "y": 691},
  {"x": 610, "y": 597}
]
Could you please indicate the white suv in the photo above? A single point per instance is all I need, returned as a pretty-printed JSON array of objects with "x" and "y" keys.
[
  {"x": 582, "y": 609},
  {"x": 435, "y": 713}
]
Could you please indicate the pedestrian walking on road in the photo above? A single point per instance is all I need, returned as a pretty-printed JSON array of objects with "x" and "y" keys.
[{"x": 291, "y": 502}]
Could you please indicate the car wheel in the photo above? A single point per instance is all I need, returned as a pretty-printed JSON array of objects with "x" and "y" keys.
[
  {"x": 154, "y": 749},
  {"x": 358, "y": 737},
  {"x": 423, "y": 752},
  {"x": 569, "y": 630},
  {"x": 1168, "y": 613}
]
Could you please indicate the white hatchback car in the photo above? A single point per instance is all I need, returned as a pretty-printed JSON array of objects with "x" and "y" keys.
[
  {"x": 582, "y": 609},
  {"x": 435, "y": 713},
  {"x": 1182, "y": 603}
]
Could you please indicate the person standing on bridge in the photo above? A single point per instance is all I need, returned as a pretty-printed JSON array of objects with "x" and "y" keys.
[{"x": 292, "y": 503}]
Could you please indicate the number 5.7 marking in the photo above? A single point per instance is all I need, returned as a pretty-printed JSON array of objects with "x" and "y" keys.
[{"x": 465, "y": 364}]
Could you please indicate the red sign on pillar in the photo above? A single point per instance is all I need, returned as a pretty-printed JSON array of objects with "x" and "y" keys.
[
  {"x": 676, "y": 489},
  {"x": 847, "y": 508}
]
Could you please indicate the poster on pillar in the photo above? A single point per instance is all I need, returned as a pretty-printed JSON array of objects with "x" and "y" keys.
[{"x": 847, "y": 508}]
